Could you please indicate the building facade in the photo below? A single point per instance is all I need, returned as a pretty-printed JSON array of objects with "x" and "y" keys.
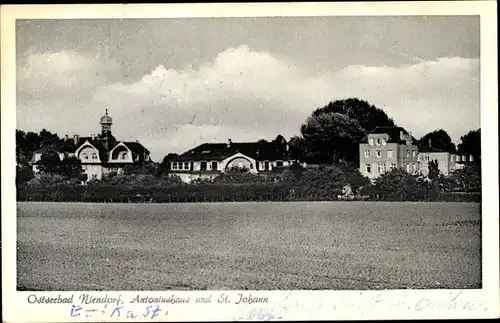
[
  {"x": 447, "y": 162},
  {"x": 99, "y": 154},
  {"x": 211, "y": 159},
  {"x": 386, "y": 148}
]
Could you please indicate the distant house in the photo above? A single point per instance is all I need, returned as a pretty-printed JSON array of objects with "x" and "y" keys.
[
  {"x": 447, "y": 162},
  {"x": 386, "y": 148},
  {"x": 99, "y": 154},
  {"x": 208, "y": 160}
]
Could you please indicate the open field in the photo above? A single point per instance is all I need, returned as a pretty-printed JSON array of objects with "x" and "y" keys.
[{"x": 310, "y": 245}]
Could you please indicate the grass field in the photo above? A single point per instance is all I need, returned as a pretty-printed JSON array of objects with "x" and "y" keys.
[{"x": 313, "y": 245}]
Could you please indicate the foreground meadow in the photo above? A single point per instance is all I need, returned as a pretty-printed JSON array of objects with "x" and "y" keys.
[{"x": 310, "y": 245}]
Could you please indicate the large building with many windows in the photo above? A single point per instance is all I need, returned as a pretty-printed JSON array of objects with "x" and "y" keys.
[
  {"x": 386, "y": 148},
  {"x": 99, "y": 153},
  {"x": 208, "y": 160}
]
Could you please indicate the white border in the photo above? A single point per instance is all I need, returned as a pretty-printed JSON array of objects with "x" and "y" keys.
[{"x": 287, "y": 305}]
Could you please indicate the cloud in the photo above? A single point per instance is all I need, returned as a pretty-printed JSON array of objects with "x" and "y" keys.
[
  {"x": 245, "y": 94},
  {"x": 65, "y": 72}
]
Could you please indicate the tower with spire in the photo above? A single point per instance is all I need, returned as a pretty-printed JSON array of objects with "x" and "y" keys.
[
  {"x": 106, "y": 122},
  {"x": 106, "y": 137}
]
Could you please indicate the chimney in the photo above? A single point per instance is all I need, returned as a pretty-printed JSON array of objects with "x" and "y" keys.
[
  {"x": 430, "y": 142},
  {"x": 66, "y": 137},
  {"x": 401, "y": 135},
  {"x": 229, "y": 142},
  {"x": 93, "y": 136},
  {"x": 76, "y": 138},
  {"x": 137, "y": 141},
  {"x": 287, "y": 147}
]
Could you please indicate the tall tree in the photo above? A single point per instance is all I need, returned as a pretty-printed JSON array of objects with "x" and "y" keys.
[
  {"x": 433, "y": 169},
  {"x": 50, "y": 163},
  {"x": 470, "y": 144},
  {"x": 368, "y": 116},
  {"x": 438, "y": 139},
  {"x": 28, "y": 142},
  {"x": 332, "y": 137},
  {"x": 333, "y": 131},
  {"x": 165, "y": 164}
]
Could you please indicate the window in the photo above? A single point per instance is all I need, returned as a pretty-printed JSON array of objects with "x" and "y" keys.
[
  {"x": 186, "y": 165},
  {"x": 368, "y": 168},
  {"x": 393, "y": 166},
  {"x": 407, "y": 153},
  {"x": 279, "y": 163},
  {"x": 85, "y": 156},
  {"x": 367, "y": 153},
  {"x": 384, "y": 142},
  {"x": 174, "y": 165},
  {"x": 381, "y": 168},
  {"x": 414, "y": 153},
  {"x": 261, "y": 166},
  {"x": 458, "y": 158},
  {"x": 408, "y": 168},
  {"x": 214, "y": 165},
  {"x": 370, "y": 142},
  {"x": 389, "y": 153},
  {"x": 94, "y": 156},
  {"x": 180, "y": 166},
  {"x": 251, "y": 166},
  {"x": 379, "y": 153},
  {"x": 379, "y": 141},
  {"x": 203, "y": 165},
  {"x": 123, "y": 155},
  {"x": 426, "y": 157}
]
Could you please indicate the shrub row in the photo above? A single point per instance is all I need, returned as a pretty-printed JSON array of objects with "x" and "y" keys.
[{"x": 218, "y": 193}]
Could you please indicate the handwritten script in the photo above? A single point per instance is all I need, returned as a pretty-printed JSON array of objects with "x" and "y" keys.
[{"x": 262, "y": 306}]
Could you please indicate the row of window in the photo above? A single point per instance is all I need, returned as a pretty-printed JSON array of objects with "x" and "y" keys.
[
  {"x": 266, "y": 165},
  {"x": 378, "y": 153},
  {"x": 378, "y": 142},
  {"x": 383, "y": 168},
  {"x": 86, "y": 156}
]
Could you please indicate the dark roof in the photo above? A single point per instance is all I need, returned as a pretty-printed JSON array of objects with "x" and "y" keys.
[
  {"x": 393, "y": 132},
  {"x": 219, "y": 151},
  {"x": 431, "y": 150},
  {"x": 136, "y": 147},
  {"x": 68, "y": 146}
]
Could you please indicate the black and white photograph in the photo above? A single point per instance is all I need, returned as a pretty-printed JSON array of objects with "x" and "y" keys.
[{"x": 266, "y": 153}]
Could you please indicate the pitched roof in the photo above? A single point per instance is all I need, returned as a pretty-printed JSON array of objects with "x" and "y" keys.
[
  {"x": 219, "y": 151},
  {"x": 136, "y": 147},
  {"x": 393, "y": 132},
  {"x": 428, "y": 149},
  {"x": 68, "y": 146}
]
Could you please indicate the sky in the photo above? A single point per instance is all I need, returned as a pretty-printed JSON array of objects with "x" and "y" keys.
[{"x": 176, "y": 83}]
